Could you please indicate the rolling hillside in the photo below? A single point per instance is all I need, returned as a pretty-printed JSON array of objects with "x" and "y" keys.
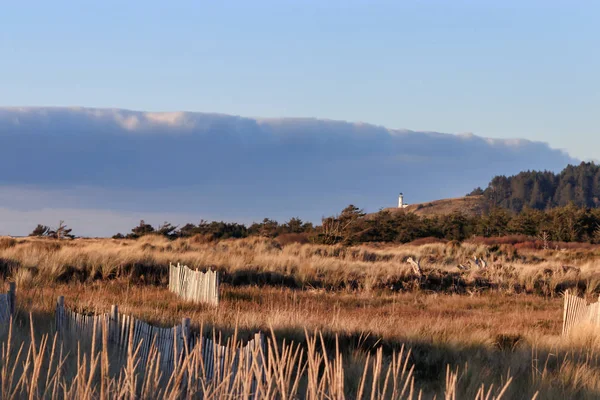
[{"x": 469, "y": 205}]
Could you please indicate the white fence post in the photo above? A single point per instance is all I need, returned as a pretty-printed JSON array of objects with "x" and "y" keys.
[
  {"x": 60, "y": 312},
  {"x": 113, "y": 327},
  {"x": 12, "y": 297},
  {"x": 565, "y": 309},
  {"x": 185, "y": 331}
]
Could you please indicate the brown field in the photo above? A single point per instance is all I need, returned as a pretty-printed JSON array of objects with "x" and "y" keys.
[{"x": 490, "y": 327}]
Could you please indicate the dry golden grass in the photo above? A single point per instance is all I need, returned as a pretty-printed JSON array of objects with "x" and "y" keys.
[
  {"x": 49, "y": 367},
  {"x": 484, "y": 336},
  {"x": 483, "y": 339},
  {"x": 261, "y": 261},
  {"x": 453, "y": 319},
  {"x": 469, "y": 332}
]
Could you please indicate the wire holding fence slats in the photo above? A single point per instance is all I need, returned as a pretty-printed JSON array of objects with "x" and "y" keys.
[
  {"x": 194, "y": 286},
  {"x": 577, "y": 312}
]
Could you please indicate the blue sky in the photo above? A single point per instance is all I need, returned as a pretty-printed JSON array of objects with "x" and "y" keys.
[{"x": 527, "y": 69}]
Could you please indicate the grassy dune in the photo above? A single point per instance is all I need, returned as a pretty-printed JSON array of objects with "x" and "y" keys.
[
  {"x": 498, "y": 327},
  {"x": 266, "y": 262}
]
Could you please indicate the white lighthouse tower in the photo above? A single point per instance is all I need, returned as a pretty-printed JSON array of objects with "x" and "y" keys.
[{"x": 401, "y": 201}]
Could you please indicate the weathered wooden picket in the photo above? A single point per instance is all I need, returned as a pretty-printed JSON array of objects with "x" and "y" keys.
[
  {"x": 7, "y": 304},
  {"x": 195, "y": 286},
  {"x": 577, "y": 312},
  {"x": 125, "y": 331}
]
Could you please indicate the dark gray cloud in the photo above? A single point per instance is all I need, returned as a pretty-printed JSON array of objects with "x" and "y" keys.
[{"x": 221, "y": 166}]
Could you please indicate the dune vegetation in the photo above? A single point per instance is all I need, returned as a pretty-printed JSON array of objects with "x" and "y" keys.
[
  {"x": 480, "y": 318},
  {"x": 450, "y": 267}
]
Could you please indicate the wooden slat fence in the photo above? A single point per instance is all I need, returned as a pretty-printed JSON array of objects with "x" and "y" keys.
[
  {"x": 578, "y": 312},
  {"x": 195, "y": 286},
  {"x": 80, "y": 326},
  {"x": 169, "y": 342},
  {"x": 7, "y": 304}
]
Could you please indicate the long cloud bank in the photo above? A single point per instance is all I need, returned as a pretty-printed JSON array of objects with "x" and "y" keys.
[{"x": 90, "y": 163}]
